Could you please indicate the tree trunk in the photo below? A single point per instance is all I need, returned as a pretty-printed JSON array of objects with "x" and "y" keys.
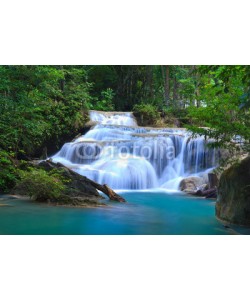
[
  {"x": 164, "y": 82},
  {"x": 175, "y": 92},
  {"x": 150, "y": 81},
  {"x": 167, "y": 85}
]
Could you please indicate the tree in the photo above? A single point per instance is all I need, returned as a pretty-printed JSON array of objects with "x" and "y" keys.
[
  {"x": 37, "y": 108},
  {"x": 223, "y": 88}
]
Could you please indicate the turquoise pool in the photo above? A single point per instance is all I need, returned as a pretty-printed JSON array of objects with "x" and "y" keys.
[{"x": 147, "y": 212}]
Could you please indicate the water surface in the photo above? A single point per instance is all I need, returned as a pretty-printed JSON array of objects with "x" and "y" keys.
[{"x": 151, "y": 212}]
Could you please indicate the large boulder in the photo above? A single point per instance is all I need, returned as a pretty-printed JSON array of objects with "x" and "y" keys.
[
  {"x": 78, "y": 189},
  {"x": 233, "y": 202},
  {"x": 191, "y": 184},
  {"x": 76, "y": 184}
]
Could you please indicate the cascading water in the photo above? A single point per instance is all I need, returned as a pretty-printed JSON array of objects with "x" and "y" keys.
[
  {"x": 113, "y": 119},
  {"x": 119, "y": 153}
]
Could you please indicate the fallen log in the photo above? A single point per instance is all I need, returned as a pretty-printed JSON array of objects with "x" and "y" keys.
[
  {"x": 106, "y": 190},
  {"x": 103, "y": 188}
]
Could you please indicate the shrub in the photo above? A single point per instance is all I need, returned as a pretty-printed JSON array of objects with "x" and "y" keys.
[
  {"x": 105, "y": 102},
  {"x": 41, "y": 185},
  {"x": 146, "y": 114},
  {"x": 8, "y": 172}
]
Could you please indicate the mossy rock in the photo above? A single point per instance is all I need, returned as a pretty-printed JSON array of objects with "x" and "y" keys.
[{"x": 233, "y": 203}]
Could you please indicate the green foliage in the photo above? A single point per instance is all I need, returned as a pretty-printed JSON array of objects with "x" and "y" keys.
[
  {"x": 105, "y": 103},
  {"x": 41, "y": 185},
  {"x": 177, "y": 116},
  {"x": 39, "y": 104},
  {"x": 187, "y": 91},
  {"x": 102, "y": 78},
  {"x": 221, "y": 115},
  {"x": 147, "y": 113},
  {"x": 8, "y": 173}
]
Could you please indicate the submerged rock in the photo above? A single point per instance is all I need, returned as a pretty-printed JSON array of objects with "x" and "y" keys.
[{"x": 233, "y": 203}]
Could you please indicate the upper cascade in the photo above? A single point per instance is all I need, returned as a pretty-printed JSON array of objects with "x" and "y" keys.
[
  {"x": 119, "y": 153},
  {"x": 113, "y": 118}
]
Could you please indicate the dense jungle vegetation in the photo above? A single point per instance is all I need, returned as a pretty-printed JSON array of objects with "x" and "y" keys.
[{"x": 42, "y": 107}]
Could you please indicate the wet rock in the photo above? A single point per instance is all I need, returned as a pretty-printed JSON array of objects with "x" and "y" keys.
[
  {"x": 197, "y": 186},
  {"x": 203, "y": 187},
  {"x": 190, "y": 191},
  {"x": 233, "y": 202},
  {"x": 213, "y": 180},
  {"x": 191, "y": 183}
]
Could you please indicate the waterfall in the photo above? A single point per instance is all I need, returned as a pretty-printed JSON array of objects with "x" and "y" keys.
[
  {"x": 119, "y": 118},
  {"x": 123, "y": 155}
]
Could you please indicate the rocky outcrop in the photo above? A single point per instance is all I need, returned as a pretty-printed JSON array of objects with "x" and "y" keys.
[
  {"x": 233, "y": 202},
  {"x": 78, "y": 185},
  {"x": 204, "y": 186},
  {"x": 191, "y": 184},
  {"x": 78, "y": 190}
]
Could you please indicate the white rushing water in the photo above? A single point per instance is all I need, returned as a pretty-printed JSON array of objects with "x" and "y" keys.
[{"x": 119, "y": 153}]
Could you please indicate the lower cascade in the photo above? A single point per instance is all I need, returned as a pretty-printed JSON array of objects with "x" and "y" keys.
[{"x": 123, "y": 155}]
